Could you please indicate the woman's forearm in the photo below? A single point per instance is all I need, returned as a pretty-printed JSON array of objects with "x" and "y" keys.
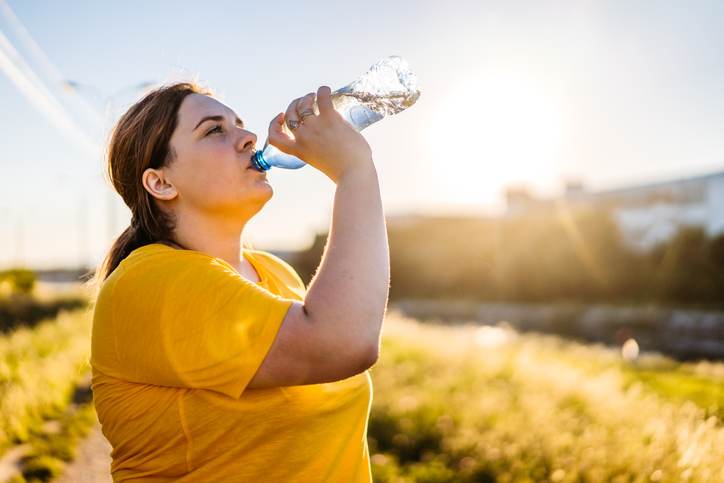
[{"x": 348, "y": 294}]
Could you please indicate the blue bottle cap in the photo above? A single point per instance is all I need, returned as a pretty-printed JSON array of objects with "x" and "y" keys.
[{"x": 258, "y": 161}]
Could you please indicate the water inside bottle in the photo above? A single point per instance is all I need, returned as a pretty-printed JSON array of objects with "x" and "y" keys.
[
  {"x": 363, "y": 108},
  {"x": 387, "y": 88}
]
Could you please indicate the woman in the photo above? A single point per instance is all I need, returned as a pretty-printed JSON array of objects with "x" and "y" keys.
[{"x": 212, "y": 361}]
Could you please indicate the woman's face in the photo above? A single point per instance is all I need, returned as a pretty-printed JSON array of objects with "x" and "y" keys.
[{"x": 212, "y": 171}]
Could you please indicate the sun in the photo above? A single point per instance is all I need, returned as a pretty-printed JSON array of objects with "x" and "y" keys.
[{"x": 499, "y": 130}]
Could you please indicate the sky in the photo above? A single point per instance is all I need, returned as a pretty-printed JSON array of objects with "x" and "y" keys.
[{"x": 513, "y": 93}]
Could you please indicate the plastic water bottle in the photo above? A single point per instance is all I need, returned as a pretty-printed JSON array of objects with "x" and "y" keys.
[{"x": 388, "y": 87}]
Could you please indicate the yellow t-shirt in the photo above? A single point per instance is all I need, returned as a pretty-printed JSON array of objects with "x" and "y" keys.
[{"x": 177, "y": 336}]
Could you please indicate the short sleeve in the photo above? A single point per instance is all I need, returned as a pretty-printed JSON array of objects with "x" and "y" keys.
[{"x": 194, "y": 322}]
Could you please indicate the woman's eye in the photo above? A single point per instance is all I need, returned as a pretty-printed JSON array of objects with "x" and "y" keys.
[{"x": 214, "y": 129}]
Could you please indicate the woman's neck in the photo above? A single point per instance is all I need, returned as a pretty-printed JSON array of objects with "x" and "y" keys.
[{"x": 219, "y": 237}]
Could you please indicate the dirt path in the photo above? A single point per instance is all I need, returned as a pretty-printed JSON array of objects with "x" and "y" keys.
[{"x": 93, "y": 461}]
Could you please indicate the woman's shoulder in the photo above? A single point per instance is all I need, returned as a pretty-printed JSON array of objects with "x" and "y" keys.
[
  {"x": 156, "y": 262},
  {"x": 268, "y": 258},
  {"x": 156, "y": 250},
  {"x": 278, "y": 266},
  {"x": 159, "y": 272},
  {"x": 153, "y": 254}
]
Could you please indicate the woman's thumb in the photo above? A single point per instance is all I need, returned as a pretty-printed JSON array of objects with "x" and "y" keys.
[{"x": 278, "y": 137}]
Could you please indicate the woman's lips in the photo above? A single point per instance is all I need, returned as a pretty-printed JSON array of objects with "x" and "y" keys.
[{"x": 251, "y": 162}]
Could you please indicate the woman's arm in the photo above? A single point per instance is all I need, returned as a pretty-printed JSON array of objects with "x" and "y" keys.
[
  {"x": 335, "y": 332},
  {"x": 348, "y": 294}
]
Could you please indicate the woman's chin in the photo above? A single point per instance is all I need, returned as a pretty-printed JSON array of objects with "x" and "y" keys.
[
  {"x": 266, "y": 186},
  {"x": 263, "y": 191},
  {"x": 253, "y": 203}
]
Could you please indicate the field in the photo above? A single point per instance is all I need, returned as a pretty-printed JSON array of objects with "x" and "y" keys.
[
  {"x": 472, "y": 403},
  {"x": 461, "y": 403}
]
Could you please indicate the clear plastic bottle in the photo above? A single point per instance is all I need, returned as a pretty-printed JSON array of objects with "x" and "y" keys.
[{"x": 387, "y": 88}]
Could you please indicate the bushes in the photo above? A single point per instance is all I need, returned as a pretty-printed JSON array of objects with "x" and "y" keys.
[
  {"x": 689, "y": 268},
  {"x": 556, "y": 256},
  {"x": 24, "y": 310},
  {"x": 20, "y": 280},
  {"x": 20, "y": 305}
]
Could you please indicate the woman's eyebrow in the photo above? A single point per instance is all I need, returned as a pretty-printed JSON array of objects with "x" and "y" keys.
[{"x": 216, "y": 118}]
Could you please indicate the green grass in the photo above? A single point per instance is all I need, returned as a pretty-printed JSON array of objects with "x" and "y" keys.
[
  {"x": 39, "y": 369},
  {"x": 473, "y": 404},
  {"x": 680, "y": 387},
  {"x": 51, "y": 452}
]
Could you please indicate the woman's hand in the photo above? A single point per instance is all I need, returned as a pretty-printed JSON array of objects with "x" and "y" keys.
[{"x": 324, "y": 140}]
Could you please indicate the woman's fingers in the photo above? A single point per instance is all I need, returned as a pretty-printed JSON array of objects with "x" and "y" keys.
[
  {"x": 278, "y": 136},
  {"x": 324, "y": 100},
  {"x": 291, "y": 116},
  {"x": 305, "y": 108},
  {"x": 284, "y": 127}
]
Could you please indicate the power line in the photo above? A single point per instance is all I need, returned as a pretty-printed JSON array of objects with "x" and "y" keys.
[
  {"x": 25, "y": 79},
  {"x": 42, "y": 59}
]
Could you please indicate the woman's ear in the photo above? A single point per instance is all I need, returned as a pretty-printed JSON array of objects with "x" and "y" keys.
[{"x": 155, "y": 182}]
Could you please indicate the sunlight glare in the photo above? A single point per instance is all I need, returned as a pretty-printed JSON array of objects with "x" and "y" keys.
[{"x": 499, "y": 131}]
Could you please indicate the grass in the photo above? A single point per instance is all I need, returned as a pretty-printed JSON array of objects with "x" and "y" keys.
[
  {"x": 678, "y": 386},
  {"x": 39, "y": 370},
  {"x": 468, "y": 403},
  {"x": 50, "y": 452}
]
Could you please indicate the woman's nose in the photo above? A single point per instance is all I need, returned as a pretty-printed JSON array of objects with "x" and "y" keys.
[{"x": 247, "y": 140}]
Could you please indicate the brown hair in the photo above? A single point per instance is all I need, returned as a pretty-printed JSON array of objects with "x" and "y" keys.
[{"x": 140, "y": 140}]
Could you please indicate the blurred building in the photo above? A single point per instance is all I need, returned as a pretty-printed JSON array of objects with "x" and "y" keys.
[{"x": 647, "y": 213}]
